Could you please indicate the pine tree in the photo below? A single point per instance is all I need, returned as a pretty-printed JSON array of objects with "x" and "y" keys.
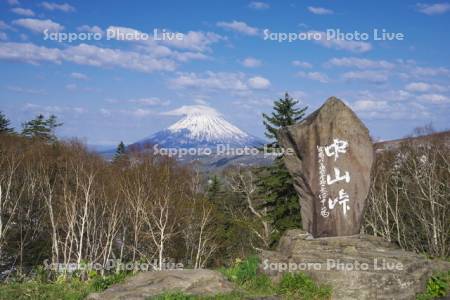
[
  {"x": 274, "y": 182},
  {"x": 120, "y": 151},
  {"x": 214, "y": 189},
  {"x": 285, "y": 113},
  {"x": 4, "y": 124},
  {"x": 41, "y": 128}
]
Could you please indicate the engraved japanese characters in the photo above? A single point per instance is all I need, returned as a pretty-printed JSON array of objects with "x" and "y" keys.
[{"x": 331, "y": 163}]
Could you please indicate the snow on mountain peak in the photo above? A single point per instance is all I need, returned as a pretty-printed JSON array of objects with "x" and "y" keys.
[
  {"x": 204, "y": 123},
  {"x": 201, "y": 126}
]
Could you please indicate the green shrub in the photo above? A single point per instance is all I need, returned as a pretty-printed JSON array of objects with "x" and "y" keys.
[
  {"x": 437, "y": 286},
  {"x": 181, "y": 296},
  {"x": 76, "y": 290},
  {"x": 301, "y": 286},
  {"x": 245, "y": 274},
  {"x": 242, "y": 271},
  {"x": 63, "y": 287},
  {"x": 100, "y": 283}
]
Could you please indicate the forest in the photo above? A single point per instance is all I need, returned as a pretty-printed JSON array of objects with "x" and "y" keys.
[{"x": 62, "y": 203}]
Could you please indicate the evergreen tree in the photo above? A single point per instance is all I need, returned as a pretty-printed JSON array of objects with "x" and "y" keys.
[
  {"x": 285, "y": 113},
  {"x": 4, "y": 124},
  {"x": 120, "y": 151},
  {"x": 41, "y": 128},
  {"x": 214, "y": 192},
  {"x": 274, "y": 182}
]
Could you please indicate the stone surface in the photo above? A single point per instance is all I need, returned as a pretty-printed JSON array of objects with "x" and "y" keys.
[
  {"x": 148, "y": 284},
  {"x": 385, "y": 271},
  {"x": 332, "y": 200}
]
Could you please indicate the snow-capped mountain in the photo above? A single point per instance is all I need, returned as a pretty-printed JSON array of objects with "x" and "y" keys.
[{"x": 201, "y": 127}]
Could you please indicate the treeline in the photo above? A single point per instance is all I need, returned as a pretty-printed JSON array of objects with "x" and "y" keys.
[
  {"x": 62, "y": 203},
  {"x": 409, "y": 200}
]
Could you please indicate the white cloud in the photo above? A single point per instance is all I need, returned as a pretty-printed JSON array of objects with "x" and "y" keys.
[
  {"x": 152, "y": 101},
  {"x": 426, "y": 71},
  {"x": 301, "y": 64},
  {"x": 360, "y": 63},
  {"x": 3, "y": 36},
  {"x": 237, "y": 83},
  {"x": 298, "y": 95},
  {"x": 149, "y": 58},
  {"x": 258, "y": 5},
  {"x": 52, "y": 109},
  {"x": 320, "y": 10},
  {"x": 240, "y": 27},
  {"x": 84, "y": 54},
  {"x": 251, "y": 62},
  {"x": 352, "y": 46},
  {"x": 140, "y": 112},
  {"x": 121, "y": 33},
  {"x": 3, "y": 25},
  {"x": 434, "y": 98},
  {"x": 192, "y": 110},
  {"x": 369, "y": 105},
  {"x": 91, "y": 29},
  {"x": 433, "y": 9},
  {"x": 187, "y": 56},
  {"x": 424, "y": 87},
  {"x": 210, "y": 80},
  {"x": 23, "y": 11},
  {"x": 79, "y": 76},
  {"x": 71, "y": 86},
  {"x": 201, "y": 101},
  {"x": 29, "y": 53},
  {"x": 19, "y": 89},
  {"x": 13, "y": 2},
  {"x": 197, "y": 41},
  {"x": 258, "y": 83},
  {"x": 317, "y": 76},
  {"x": 384, "y": 110},
  {"x": 37, "y": 25},
  {"x": 105, "y": 111},
  {"x": 369, "y": 76},
  {"x": 194, "y": 40},
  {"x": 65, "y": 7}
]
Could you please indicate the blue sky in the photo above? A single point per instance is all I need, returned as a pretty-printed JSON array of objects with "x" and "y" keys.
[{"x": 111, "y": 89}]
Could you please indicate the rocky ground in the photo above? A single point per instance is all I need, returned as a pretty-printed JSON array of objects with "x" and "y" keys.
[
  {"x": 357, "y": 267},
  {"x": 147, "y": 284}
]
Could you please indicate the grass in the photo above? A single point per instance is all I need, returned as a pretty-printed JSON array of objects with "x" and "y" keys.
[
  {"x": 62, "y": 288},
  {"x": 300, "y": 286},
  {"x": 181, "y": 296},
  {"x": 437, "y": 286},
  {"x": 38, "y": 290},
  {"x": 252, "y": 284},
  {"x": 243, "y": 273}
]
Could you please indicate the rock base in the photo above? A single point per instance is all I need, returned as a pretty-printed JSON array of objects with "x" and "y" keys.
[
  {"x": 357, "y": 267},
  {"x": 149, "y": 284}
]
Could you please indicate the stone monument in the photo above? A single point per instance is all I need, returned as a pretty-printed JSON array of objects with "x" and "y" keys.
[
  {"x": 329, "y": 155},
  {"x": 330, "y": 161}
]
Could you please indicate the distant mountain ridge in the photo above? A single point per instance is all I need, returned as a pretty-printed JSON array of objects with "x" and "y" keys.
[{"x": 443, "y": 136}]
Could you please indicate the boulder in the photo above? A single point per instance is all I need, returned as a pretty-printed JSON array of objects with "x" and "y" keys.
[
  {"x": 356, "y": 267},
  {"x": 329, "y": 155},
  {"x": 148, "y": 284}
]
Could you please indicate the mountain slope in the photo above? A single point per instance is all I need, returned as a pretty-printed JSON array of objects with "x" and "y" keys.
[{"x": 202, "y": 128}]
